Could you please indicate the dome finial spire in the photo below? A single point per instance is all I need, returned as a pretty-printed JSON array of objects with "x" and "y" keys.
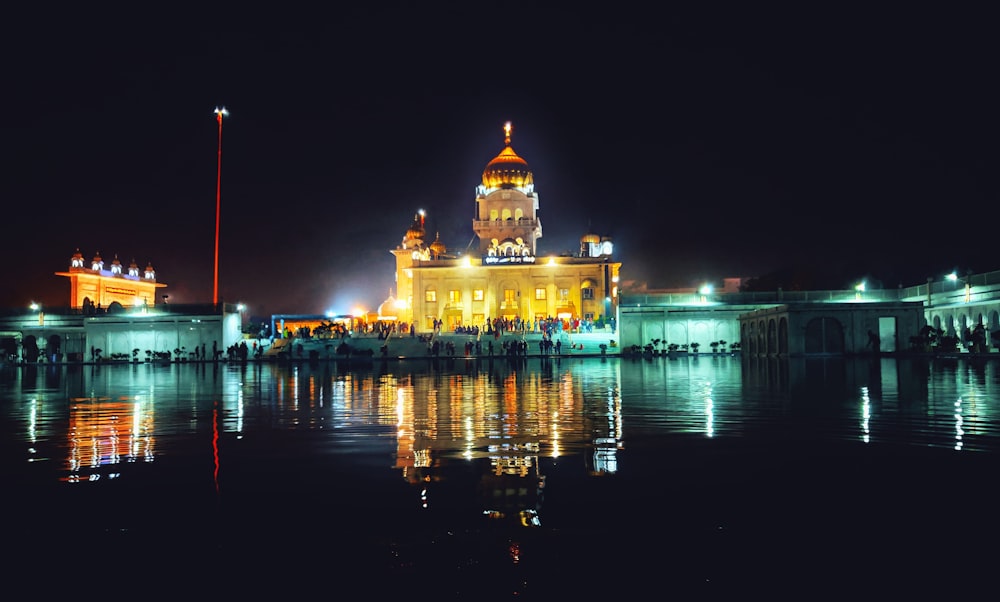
[{"x": 506, "y": 133}]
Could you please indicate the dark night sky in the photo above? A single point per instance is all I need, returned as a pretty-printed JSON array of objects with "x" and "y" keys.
[{"x": 840, "y": 144}]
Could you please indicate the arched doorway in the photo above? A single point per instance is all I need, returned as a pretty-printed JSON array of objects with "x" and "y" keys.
[
  {"x": 29, "y": 349},
  {"x": 8, "y": 347},
  {"x": 53, "y": 348}
]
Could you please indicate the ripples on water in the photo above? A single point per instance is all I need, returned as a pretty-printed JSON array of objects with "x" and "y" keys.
[{"x": 465, "y": 477}]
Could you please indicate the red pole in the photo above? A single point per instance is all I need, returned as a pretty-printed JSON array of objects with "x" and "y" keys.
[{"x": 218, "y": 205}]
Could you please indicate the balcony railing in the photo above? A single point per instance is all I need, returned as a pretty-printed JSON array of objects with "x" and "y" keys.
[{"x": 523, "y": 223}]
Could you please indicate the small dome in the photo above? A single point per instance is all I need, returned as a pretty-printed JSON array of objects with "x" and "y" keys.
[
  {"x": 388, "y": 307},
  {"x": 437, "y": 246},
  {"x": 590, "y": 237}
]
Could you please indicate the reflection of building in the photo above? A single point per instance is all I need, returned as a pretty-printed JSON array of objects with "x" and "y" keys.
[
  {"x": 605, "y": 457},
  {"x": 515, "y": 488},
  {"x": 106, "y": 432},
  {"x": 505, "y": 425},
  {"x": 505, "y": 277}
]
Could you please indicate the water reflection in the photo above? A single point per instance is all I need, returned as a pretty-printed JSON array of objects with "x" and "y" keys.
[{"x": 496, "y": 469}]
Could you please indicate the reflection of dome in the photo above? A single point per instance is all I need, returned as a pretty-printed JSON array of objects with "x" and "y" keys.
[
  {"x": 437, "y": 246},
  {"x": 507, "y": 170}
]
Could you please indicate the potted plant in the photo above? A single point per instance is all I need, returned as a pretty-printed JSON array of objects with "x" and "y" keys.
[
  {"x": 715, "y": 346},
  {"x": 672, "y": 350},
  {"x": 694, "y": 347}
]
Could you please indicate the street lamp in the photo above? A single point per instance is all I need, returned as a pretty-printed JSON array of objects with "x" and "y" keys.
[
  {"x": 37, "y": 307},
  {"x": 220, "y": 112},
  {"x": 965, "y": 282}
]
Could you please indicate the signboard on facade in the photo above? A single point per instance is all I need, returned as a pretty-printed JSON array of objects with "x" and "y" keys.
[{"x": 505, "y": 260}]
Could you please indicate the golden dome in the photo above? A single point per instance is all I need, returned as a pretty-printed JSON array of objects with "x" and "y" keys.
[
  {"x": 590, "y": 237},
  {"x": 437, "y": 246},
  {"x": 507, "y": 170},
  {"x": 416, "y": 230}
]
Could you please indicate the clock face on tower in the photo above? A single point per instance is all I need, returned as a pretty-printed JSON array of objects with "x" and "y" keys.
[{"x": 606, "y": 247}]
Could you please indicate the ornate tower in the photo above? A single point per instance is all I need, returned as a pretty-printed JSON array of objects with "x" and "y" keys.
[{"x": 507, "y": 221}]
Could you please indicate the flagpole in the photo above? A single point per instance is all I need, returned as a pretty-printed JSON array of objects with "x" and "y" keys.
[{"x": 219, "y": 113}]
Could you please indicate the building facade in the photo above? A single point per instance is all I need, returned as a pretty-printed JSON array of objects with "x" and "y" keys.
[
  {"x": 506, "y": 277},
  {"x": 97, "y": 286},
  {"x": 780, "y": 323},
  {"x": 112, "y": 314}
]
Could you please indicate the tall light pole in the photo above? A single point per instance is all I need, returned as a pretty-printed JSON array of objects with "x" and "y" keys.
[{"x": 220, "y": 112}]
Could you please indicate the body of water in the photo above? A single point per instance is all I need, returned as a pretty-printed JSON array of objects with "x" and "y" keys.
[{"x": 491, "y": 479}]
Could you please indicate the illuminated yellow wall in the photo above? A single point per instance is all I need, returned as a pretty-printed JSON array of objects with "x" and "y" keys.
[
  {"x": 103, "y": 289},
  {"x": 461, "y": 307}
]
